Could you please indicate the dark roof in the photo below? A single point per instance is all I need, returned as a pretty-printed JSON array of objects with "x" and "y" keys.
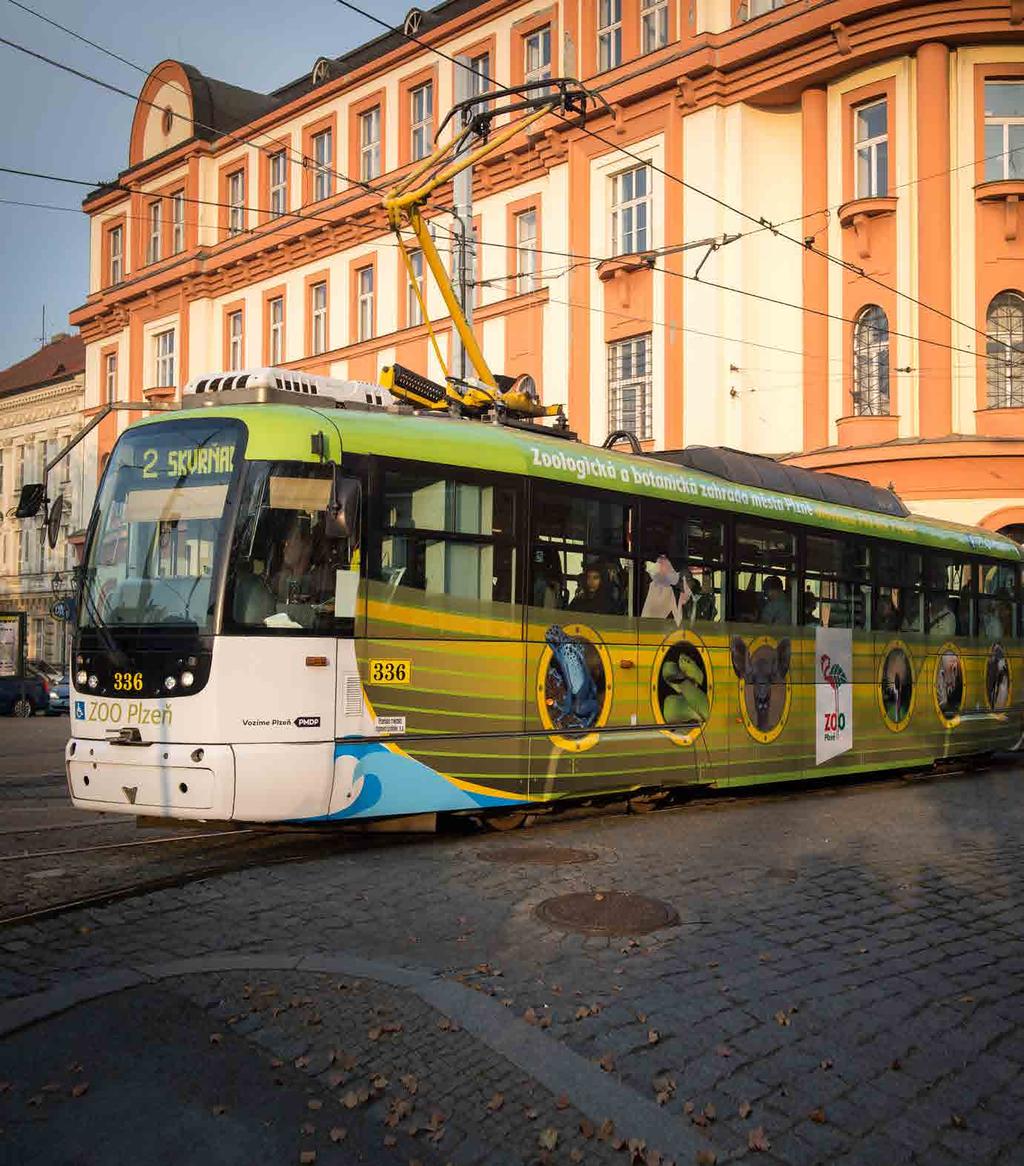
[
  {"x": 62, "y": 358},
  {"x": 219, "y": 108},
  {"x": 751, "y": 469}
]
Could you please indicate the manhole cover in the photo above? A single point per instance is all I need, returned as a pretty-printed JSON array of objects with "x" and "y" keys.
[
  {"x": 607, "y": 913},
  {"x": 544, "y": 855}
]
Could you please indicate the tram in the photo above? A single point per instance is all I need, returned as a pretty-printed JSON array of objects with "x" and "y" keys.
[{"x": 304, "y": 601}]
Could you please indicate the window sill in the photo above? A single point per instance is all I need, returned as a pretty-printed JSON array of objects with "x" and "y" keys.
[
  {"x": 868, "y": 429},
  {"x": 608, "y": 269},
  {"x": 1009, "y": 192},
  {"x": 999, "y": 422},
  {"x": 867, "y": 208},
  {"x": 160, "y": 393}
]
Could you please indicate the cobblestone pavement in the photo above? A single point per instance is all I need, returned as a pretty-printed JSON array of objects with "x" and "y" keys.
[{"x": 844, "y": 986}]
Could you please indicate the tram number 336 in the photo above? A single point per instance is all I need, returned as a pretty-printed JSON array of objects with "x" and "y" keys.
[
  {"x": 127, "y": 681},
  {"x": 390, "y": 671}
]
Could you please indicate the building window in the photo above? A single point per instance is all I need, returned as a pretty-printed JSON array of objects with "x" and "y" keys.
[
  {"x": 318, "y": 317},
  {"x": 153, "y": 249},
  {"x": 480, "y": 78},
  {"x": 413, "y": 311},
  {"x": 236, "y": 202},
  {"x": 1004, "y": 129},
  {"x": 275, "y": 317},
  {"x": 629, "y": 385},
  {"x": 871, "y": 149},
  {"x": 278, "y": 171},
  {"x": 537, "y": 55},
  {"x": 177, "y": 222},
  {"x": 631, "y": 211},
  {"x": 323, "y": 158},
  {"x": 364, "y": 303},
  {"x": 235, "y": 326},
  {"x": 369, "y": 144},
  {"x": 653, "y": 24},
  {"x": 526, "y": 251},
  {"x": 163, "y": 344},
  {"x": 871, "y": 363},
  {"x": 609, "y": 34},
  {"x": 760, "y": 7},
  {"x": 1004, "y": 351},
  {"x": 422, "y": 120},
  {"x": 116, "y": 255},
  {"x": 19, "y": 468},
  {"x": 110, "y": 376}
]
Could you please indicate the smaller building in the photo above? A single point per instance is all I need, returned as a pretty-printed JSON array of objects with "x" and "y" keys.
[{"x": 41, "y": 403}]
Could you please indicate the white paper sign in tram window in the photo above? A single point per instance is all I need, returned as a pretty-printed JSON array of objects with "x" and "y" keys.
[{"x": 833, "y": 692}]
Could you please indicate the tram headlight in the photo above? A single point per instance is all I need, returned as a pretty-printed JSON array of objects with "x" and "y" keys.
[
  {"x": 94, "y": 681},
  {"x": 81, "y": 679},
  {"x": 187, "y": 680},
  {"x": 170, "y": 683}
]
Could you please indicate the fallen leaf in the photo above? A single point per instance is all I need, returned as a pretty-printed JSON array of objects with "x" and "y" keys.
[
  {"x": 35, "y": 1099},
  {"x": 215, "y": 1038},
  {"x": 967, "y": 999},
  {"x": 826, "y": 1064},
  {"x": 782, "y": 1018},
  {"x": 336, "y": 1079},
  {"x": 545, "y": 1022},
  {"x": 218, "y": 1110},
  {"x": 390, "y": 1140},
  {"x": 314, "y": 1103},
  {"x": 896, "y": 1064},
  {"x": 307, "y": 1156},
  {"x": 607, "y": 1062},
  {"x": 379, "y": 1081},
  {"x": 817, "y": 1115},
  {"x": 80, "y": 1088},
  {"x": 547, "y": 1139},
  {"x": 958, "y": 1121},
  {"x": 276, "y": 1063},
  {"x": 307, "y": 1128},
  {"x": 710, "y": 1112},
  {"x": 642, "y": 1017},
  {"x": 688, "y": 1107},
  {"x": 576, "y": 1155},
  {"x": 724, "y": 1051},
  {"x": 52, "y": 1087},
  {"x": 6, "y": 1085},
  {"x": 706, "y": 1157},
  {"x": 562, "y": 1101},
  {"x": 496, "y": 1102},
  {"x": 409, "y": 1083},
  {"x": 618, "y": 1143},
  {"x": 586, "y": 1128},
  {"x": 530, "y": 1114},
  {"x": 374, "y": 1034},
  {"x": 338, "y": 1134},
  {"x": 350, "y": 1100},
  {"x": 301, "y": 1062},
  {"x": 653, "y": 1036},
  {"x": 757, "y": 1140},
  {"x": 746, "y": 1109},
  {"x": 607, "y": 1129}
]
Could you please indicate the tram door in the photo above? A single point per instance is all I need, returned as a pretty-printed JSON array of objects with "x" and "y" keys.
[{"x": 581, "y": 677}]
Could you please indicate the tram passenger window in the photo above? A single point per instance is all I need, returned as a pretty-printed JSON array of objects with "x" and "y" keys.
[
  {"x": 837, "y": 591},
  {"x": 447, "y": 536},
  {"x": 681, "y": 564},
  {"x": 764, "y": 577},
  {"x": 898, "y": 605},
  {"x": 997, "y": 607},
  {"x": 949, "y": 596}
]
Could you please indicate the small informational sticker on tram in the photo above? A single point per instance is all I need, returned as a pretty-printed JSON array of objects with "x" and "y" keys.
[
  {"x": 307, "y": 722},
  {"x": 385, "y": 725}
]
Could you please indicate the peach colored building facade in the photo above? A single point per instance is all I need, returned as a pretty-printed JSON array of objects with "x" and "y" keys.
[{"x": 247, "y": 230}]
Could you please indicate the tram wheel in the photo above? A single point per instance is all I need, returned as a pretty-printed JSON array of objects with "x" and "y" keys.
[
  {"x": 512, "y": 821},
  {"x": 22, "y": 708}
]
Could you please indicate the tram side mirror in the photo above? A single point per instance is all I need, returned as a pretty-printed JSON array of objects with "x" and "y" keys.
[
  {"x": 343, "y": 514},
  {"x": 31, "y": 500}
]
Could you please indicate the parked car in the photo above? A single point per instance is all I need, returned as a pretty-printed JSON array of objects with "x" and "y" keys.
[
  {"x": 59, "y": 702},
  {"x": 52, "y": 672},
  {"x": 23, "y": 698}
]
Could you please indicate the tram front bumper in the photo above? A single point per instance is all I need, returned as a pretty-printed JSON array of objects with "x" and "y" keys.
[{"x": 158, "y": 780}]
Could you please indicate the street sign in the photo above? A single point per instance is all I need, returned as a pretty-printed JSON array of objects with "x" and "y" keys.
[{"x": 61, "y": 609}]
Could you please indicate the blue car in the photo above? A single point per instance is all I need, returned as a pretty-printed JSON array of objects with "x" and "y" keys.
[
  {"x": 22, "y": 698},
  {"x": 59, "y": 702}
]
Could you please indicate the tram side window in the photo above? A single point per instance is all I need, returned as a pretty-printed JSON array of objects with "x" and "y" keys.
[
  {"x": 764, "y": 576},
  {"x": 898, "y": 599},
  {"x": 681, "y": 564},
  {"x": 579, "y": 558},
  {"x": 837, "y": 590},
  {"x": 997, "y": 603},
  {"x": 445, "y": 535},
  {"x": 949, "y": 596}
]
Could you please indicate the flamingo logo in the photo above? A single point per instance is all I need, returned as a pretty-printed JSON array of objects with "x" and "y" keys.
[{"x": 833, "y": 675}]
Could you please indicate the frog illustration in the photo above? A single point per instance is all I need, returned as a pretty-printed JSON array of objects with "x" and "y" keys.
[{"x": 580, "y": 705}]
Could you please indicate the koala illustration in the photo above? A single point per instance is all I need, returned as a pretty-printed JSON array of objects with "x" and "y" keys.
[{"x": 759, "y": 671}]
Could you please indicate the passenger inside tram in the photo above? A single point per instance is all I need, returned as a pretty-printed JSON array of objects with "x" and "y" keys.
[{"x": 775, "y": 605}]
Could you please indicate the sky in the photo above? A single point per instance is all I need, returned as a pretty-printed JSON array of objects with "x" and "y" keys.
[{"x": 54, "y": 123}]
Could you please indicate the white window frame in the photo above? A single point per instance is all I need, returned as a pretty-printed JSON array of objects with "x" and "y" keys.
[
  {"x": 869, "y": 147},
  {"x": 116, "y": 254},
  {"x": 631, "y": 213},
  {"x": 154, "y": 241},
  {"x": 364, "y": 303},
  {"x": 277, "y": 174},
  {"x": 370, "y": 166},
  {"x": 177, "y": 222},
  {"x": 480, "y": 80},
  {"x": 275, "y": 330},
  {"x": 653, "y": 25},
  {"x": 640, "y": 350},
  {"x": 537, "y": 54},
  {"x": 872, "y": 381},
  {"x": 236, "y": 202},
  {"x": 236, "y": 340},
  {"x": 164, "y": 353},
  {"x": 997, "y": 167},
  {"x": 609, "y": 35},
  {"x": 421, "y": 121},
  {"x": 318, "y": 317},
  {"x": 526, "y": 251},
  {"x": 760, "y": 7},
  {"x": 110, "y": 377},
  {"x": 323, "y": 162},
  {"x": 1004, "y": 351},
  {"x": 413, "y": 311}
]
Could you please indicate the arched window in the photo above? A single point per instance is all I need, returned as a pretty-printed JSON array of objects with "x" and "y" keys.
[
  {"x": 871, "y": 363},
  {"x": 1004, "y": 351}
]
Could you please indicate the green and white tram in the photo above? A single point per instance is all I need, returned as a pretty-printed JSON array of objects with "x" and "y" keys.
[{"x": 303, "y": 602}]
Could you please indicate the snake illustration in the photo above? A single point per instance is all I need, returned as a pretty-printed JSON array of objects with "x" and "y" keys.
[{"x": 580, "y": 704}]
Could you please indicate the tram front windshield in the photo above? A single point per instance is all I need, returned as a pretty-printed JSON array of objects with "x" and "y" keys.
[{"x": 161, "y": 528}]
